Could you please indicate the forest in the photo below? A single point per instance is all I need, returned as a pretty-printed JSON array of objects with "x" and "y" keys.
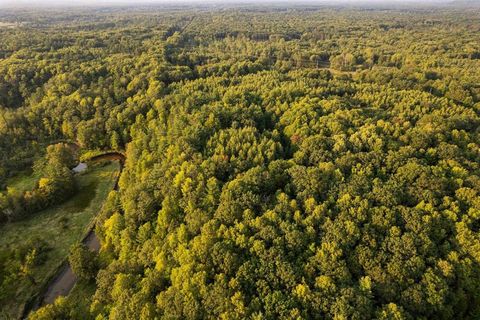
[{"x": 282, "y": 162}]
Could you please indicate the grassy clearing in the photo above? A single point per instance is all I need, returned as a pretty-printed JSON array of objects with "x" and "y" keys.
[
  {"x": 23, "y": 181},
  {"x": 8, "y": 25},
  {"x": 59, "y": 226}
]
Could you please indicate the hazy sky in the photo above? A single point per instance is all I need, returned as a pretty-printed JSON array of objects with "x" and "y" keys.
[{"x": 105, "y": 2}]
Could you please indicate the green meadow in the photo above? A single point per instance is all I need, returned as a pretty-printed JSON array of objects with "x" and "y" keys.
[{"x": 56, "y": 228}]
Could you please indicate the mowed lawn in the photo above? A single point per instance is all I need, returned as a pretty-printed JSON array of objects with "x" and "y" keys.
[{"x": 60, "y": 227}]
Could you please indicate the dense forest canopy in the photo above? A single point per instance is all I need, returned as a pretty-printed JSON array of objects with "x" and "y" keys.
[{"x": 282, "y": 163}]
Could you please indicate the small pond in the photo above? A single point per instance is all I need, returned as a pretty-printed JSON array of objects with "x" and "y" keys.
[{"x": 82, "y": 166}]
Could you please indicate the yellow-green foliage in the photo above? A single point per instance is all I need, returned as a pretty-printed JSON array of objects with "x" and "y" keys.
[{"x": 307, "y": 163}]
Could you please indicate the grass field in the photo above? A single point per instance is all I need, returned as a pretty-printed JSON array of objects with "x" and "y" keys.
[
  {"x": 23, "y": 181},
  {"x": 59, "y": 226},
  {"x": 8, "y": 25}
]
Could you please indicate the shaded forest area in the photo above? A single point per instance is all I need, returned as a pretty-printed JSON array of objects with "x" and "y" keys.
[{"x": 282, "y": 163}]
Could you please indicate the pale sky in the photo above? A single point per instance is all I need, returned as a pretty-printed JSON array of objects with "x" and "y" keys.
[{"x": 24, "y": 3}]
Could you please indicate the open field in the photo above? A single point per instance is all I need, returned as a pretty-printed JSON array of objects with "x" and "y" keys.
[
  {"x": 23, "y": 181},
  {"x": 8, "y": 25},
  {"x": 58, "y": 227}
]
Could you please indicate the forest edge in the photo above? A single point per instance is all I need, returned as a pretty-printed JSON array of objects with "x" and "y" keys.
[{"x": 63, "y": 276}]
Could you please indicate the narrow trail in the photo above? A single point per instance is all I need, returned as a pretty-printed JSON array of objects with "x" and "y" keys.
[{"x": 63, "y": 282}]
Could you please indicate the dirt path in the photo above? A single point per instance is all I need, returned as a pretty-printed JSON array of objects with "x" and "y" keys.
[
  {"x": 110, "y": 156},
  {"x": 62, "y": 283}
]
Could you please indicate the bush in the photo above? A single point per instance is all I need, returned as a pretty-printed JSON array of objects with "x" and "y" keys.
[{"x": 83, "y": 262}]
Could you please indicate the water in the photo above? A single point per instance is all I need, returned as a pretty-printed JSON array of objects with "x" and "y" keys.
[{"x": 82, "y": 166}]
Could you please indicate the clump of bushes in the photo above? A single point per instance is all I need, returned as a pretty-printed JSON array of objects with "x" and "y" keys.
[
  {"x": 83, "y": 262},
  {"x": 55, "y": 186}
]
